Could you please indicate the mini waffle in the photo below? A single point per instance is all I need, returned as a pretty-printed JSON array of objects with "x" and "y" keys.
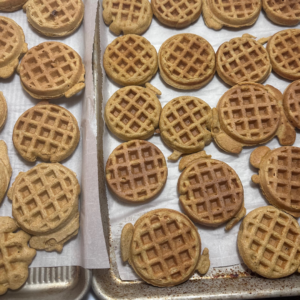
[
  {"x": 127, "y": 16},
  {"x": 284, "y": 51},
  {"x": 178, "y": 14},
  {"x": 239, "y": 13},
  {"x": 11, "y": 5},
  {"x": 136, "y": 171},
  {"x": 243, "y": 59},
  {"x": 47, "y": 131},
  {"x": 3, "y": 110},
  {"x": 54, "y": 17},
  {"x": 130, "y": 60},
  {"x": 184, "y": 125},
  {"x": 133, "y": 112},
  {"x": 186, "y": 61},
  {"x": 268, "y": 242},
  {"x": 12, "y": 41},
  {"x": 5, "y": 170},
  {"x": 279, "y": 176},
  {"x": 163, "y": 247},
  {"x": 52, "y": 70}
]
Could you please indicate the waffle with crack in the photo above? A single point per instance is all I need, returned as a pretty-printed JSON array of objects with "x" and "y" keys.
[
  {"x": 54, "y": 18},
  {"x": 45, "y": 205},
  {"x": 186, "y": 61},
  {"x": 164, "y": 248},
  {"x": 184, "y": 125},
  {"x": 243, "y": 59},
  {"x": 5, "y": 170},
  {"x": 130, "y": 60},
  {"x": 3, "y": 110},
  {"x": 133, "y": 112},
  {"x": 269, "y": 242},
  {"x": 52, "y": 70},
  {"x": 250, "y": 114},
  {"x": 11, "y": 5},
  {"x": 46, "y": 131},
  {"x": 136, "y": 171},
  {"x": 13, "y": 46},
  {"x": 127, "y": 16}
]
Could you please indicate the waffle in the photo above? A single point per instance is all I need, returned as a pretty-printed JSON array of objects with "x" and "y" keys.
[
  {"x": 136, "y": 171},
  {"x": 163, "y": 247},
  {"x": 54, "y": 18},
  {"x": 46, "y": 131},
  {"x": 127, "y": 16},
  {"x": 177, "y": 14},
  {"x": 11, "y": 5},
  {"x": 186, "y": 61},
  {"x": 52, "y": 70},
  {"x": 284, "y": 51},
  {"x": 284, "y": 12},
  {"x": 243, "y": 59},
  {"x": 130, "y": 60},
  {"x": 15, "y": 255},
  {"x": 3, "y": 110},
  {"x": 12, "y": 41},
  {"x": 5, "y": 170},
  {"x": 184, "y": 125},
  {"x": 268, "y": 242}
]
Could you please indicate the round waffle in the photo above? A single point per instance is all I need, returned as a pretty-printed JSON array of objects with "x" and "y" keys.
[
  {"x": 243, "y": 59},
  {"x": 268, "y": 242},
  {"x": 284, "y": 51},
  {"x": 133, "y": 112},
  {"x": 54, "y": 17},
  {"x": 186, "y": 61},
  {"x": 5, "y": 170},
  {"x": 178, "y": 14},
  {"x": 52, "y": 70},
  {"x": 11, "y": 5},
  {"x": 136, "y": 171},
  {"x": 232, "y": 13},
  {"x": 130, "y": 60},
  {"x": 3, "y": 110},
  {"x": 127, "y": 16},
  {"x": 184, "y": 125},
  {"x": 12, "y": 41},
  {"x": 47, "y": 131}
]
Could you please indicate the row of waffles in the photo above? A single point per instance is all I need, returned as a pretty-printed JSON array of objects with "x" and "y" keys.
[{"x": 134, "y": 17}]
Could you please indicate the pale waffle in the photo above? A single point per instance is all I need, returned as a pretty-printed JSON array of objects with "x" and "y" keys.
[
  {"x": 54, "y": 18},
  {"x": 279, "y": 176},
  {"x": 136, "y": 171},
  {"x": 130, "y": 60},
  {"x": 177, "y": 13},
  {"x": 5, "y": 170},
  {"x": 12, "y": 46},
  {"x": 282, "y": 12},
  {"x": 3, "y": 110},
  {"x": 133, "y": 112},
  {"x": 284, "y": 51},
  {"x": 186, "y": 61},
  {"x": 46, "y": 131},
  {"x": 163, "y": 247},
  {"x": 127, "y": 16},
  {"x": 230, "y": 13},
  {"x": 52, "y": 70},
  {"x": 11, "y": 5},
  {"x": 184, "y": 125},
  {"x": 243, "y": 59},
  {"x": 269, "y": 242},
  {"x": 15, "y": 255}
]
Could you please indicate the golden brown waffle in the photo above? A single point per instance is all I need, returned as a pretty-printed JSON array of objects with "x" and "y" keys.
[
  {"x": 177, "y": 13},
  {"x": 269, "y": 242},
  {"x": 284, "y": 51},
  {"x": 279, "y": 176},
  {"x": 163, "y": 247},
  {"x": 15, "y": 255},
  {"x": 186, "y": 61},
  {"x": 133, "y": 112},
  {"x": 52, "y": 70},
  {"x": 136, "y": 171},
  {"x": 12, "y": 46},
  {"x": 127, "y": 16},
  {"x": 243, "y": 59},
  {"x": 54, "y": 17},
  {"x": 46, "y": 131},
  {"x": 184, "y": 125},
  {"x": 130, "y": 60},
  {"x": 3, "y": 110},
  {"x": 11, "y": 5},
  {"x": 5, "y": 170}
]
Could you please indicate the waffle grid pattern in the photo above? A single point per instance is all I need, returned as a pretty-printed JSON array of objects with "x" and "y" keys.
[
  {"x": 293, "y": 102},
  {"x": 8, "y": 39},
  {"x": 289, "y": 9}
]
